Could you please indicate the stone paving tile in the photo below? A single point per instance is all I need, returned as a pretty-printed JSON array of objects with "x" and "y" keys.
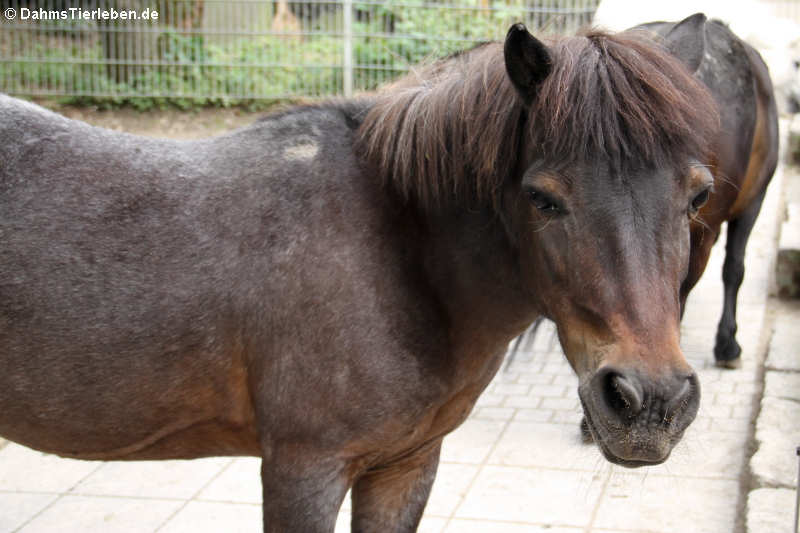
[
  {"x": 783, "y": 349},
  {"x": 20, "y": 507},
  {"x": 532, "y": 495},
  {"x": 532, "y": 444},
  {"x": 705, "y": 454},
  {"x": 740, "y": 426},
  {"x": 24, "y": 469},
  {"x": 726, "y": 398},
  {"x": 718, "y": 387},
  {"x": 744, "y": 412},
  {"x": 154, "y": 479},
  {"x": 510, "y": 389},
  {"x": 742, "y": 390},
  {"x": 507, "y": 376},
  {"x": 429, "y": 524},
  {"x": 534, "y": 415},
  {"x": 490, "y": 400},
  {"x": 777, "y": 437},
  {"x": 770, "y": 510},
  {"x": 239, "y": 482},
  {"x": 540, "y": 379},
  {"x": 478, "y": 526},
  {"x": 557, "y": 368},
  {"x": 571, "y": 404},
  {"x": 453, "y": 483},
  {"x": 215, "y": 517},
  {"x": 782, "y": 385},
  {"x": 571, "y": 417},
  {"x": 529, "y": 402},
  {"x": 472, "y": 442},
  {"x": 555, "y": 391},
  {"x": 493, "y": 413},
  {"x": 571, "y": 381},
  {"x": 80, "y": 514},
  {"x": 702, "y": 423},
  {"x": 658, "y": 504}
]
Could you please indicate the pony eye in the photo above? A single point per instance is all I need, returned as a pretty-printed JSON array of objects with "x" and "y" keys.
[
  {"x": 699, "y": 201},
  {"x": 543, "y": 202}
]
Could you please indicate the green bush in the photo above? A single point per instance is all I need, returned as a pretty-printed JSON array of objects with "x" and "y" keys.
[{"x": 188, "y": 70}]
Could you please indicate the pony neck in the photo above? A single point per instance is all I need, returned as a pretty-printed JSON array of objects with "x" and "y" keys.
[{"x": 473, "y": 270}]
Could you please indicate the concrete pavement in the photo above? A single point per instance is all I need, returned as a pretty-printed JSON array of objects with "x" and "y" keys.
[{"x": 774, "y": 465}]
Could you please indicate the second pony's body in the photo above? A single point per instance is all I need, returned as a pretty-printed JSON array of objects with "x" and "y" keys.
[{"x": 743, "y": 159}]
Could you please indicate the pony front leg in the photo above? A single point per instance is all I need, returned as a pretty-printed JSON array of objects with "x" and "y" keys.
[
  {"x": 727, "y": 352},
  {"x": 391, "y": 498},
  {"x": 302, "y": 495}
]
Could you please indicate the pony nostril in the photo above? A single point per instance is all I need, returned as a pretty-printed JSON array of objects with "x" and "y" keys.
[
  {"x": 618, "y": 397},
  {"x": 681, "y": 399},
  {"x": 622, "y": 395}
]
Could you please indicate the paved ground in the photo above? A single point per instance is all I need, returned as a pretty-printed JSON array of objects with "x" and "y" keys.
[
  {"x": 773, "y": 467},
  {"x": 517, "y": 464},
  {"x": 773, "y": 479}
]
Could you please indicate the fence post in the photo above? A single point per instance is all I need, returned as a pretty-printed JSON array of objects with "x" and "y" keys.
[{"x": 347, "y": 71}]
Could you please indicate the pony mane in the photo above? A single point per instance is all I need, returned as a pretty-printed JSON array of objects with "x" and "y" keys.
[{"x": 454, "y": 129}]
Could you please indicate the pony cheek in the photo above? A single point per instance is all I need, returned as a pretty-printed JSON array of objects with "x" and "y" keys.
[{"x": 586, "y": 346}]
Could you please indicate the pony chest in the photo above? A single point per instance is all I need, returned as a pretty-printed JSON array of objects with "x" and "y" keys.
[{"x": 456, "y": 401}]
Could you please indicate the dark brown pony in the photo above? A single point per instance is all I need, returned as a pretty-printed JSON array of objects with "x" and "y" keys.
[
  {"x": 743, "y": 158},
  {"x": 332, "y": 288}
]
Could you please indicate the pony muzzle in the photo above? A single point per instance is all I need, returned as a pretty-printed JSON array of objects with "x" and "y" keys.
[{"x": 635, "y": 419}]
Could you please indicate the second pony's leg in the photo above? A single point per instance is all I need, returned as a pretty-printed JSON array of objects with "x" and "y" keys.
[
  {"x": 727, "y": 352},
  {"x": 703, "y": 238}
]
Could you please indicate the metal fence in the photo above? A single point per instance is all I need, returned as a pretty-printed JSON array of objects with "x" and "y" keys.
[{"x": 238, "y": 50}]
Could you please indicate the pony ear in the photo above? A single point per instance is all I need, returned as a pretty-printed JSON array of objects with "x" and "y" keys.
[
  {"x": 528, "y": 61},
  {"x": 687, "y": 40}
]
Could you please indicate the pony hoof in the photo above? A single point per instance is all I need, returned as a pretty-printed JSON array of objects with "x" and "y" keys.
[
  {"x": 586, "y": 434},
  {"x": 729, "y": 363},
  {"x": 728, "y": 355}
]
